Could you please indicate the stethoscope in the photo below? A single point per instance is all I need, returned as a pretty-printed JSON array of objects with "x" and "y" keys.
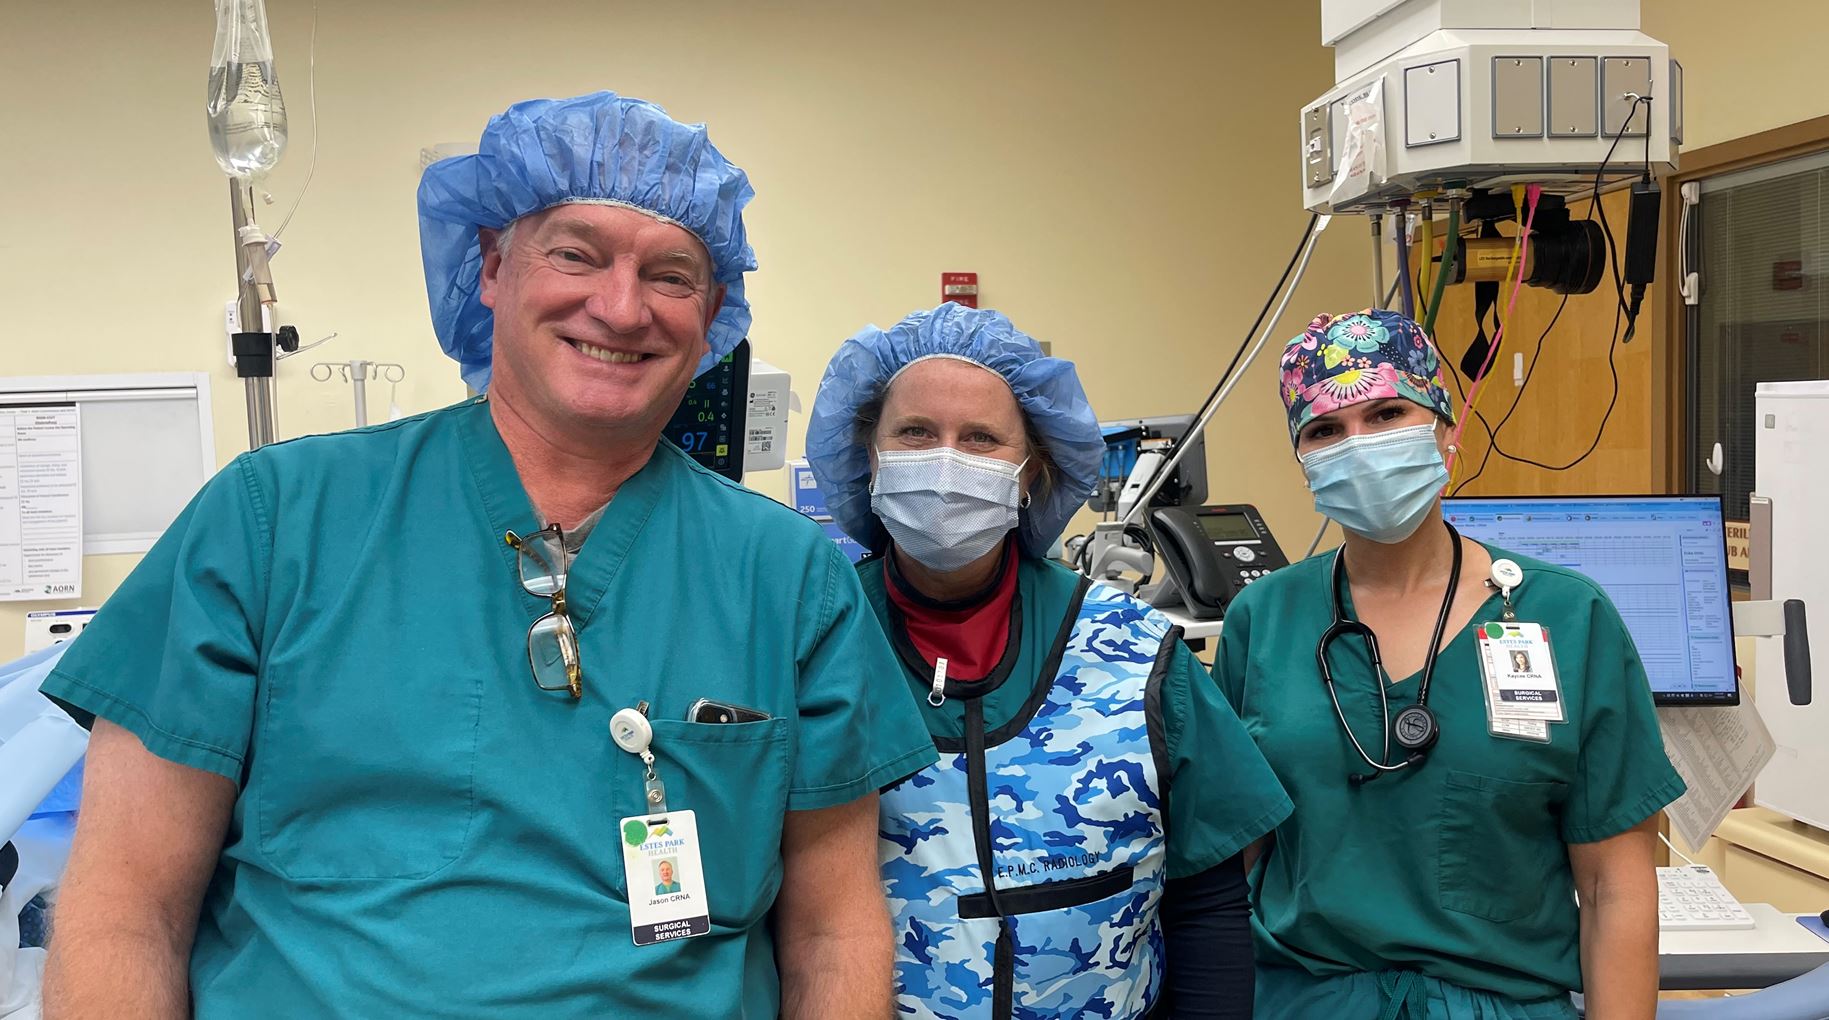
[{"x": 1415, "y": 728}]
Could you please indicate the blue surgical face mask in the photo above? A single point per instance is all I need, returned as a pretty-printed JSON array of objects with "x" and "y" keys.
[
  {"x": 1379, "y": 485},
  {"x": 945, "y": 508}
]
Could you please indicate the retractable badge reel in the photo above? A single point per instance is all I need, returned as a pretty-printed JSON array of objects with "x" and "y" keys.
[
  {"x": 630, "y": 729},
  {"x": 1506, "y": 576},
  {"x": 660, "y": 849}
]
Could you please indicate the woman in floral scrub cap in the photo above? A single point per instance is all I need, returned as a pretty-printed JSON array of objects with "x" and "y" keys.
[{"x": 1432, "y": 865}]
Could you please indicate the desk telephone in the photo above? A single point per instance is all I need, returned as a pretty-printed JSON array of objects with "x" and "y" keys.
[{"x": 1213, "y": 552}]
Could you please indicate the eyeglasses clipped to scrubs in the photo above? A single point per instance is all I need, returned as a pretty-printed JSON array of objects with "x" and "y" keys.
[{"x": 552, "y": 642}]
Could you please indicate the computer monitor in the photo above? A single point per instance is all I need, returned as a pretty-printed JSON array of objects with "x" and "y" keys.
[
  {"x": 1661, "y": 559},
  {"x": 709, "y": 422}
]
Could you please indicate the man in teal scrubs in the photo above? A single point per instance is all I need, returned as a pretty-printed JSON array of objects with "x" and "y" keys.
[{"x": 331, "y": 774}]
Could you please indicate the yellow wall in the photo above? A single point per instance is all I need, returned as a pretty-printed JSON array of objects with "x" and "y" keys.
[
  {"x": 1122, "y": 176},
  {"x": 1748, "y": 67}
]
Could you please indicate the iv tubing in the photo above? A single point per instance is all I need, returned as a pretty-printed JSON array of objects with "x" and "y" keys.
[{"x": 1479, "y": 385}]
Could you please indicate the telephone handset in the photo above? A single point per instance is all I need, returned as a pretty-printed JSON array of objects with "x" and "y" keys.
[{"x": 1213, "y": 552}]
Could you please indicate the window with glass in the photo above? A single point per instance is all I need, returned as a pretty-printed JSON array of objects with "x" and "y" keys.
[{"x": 1757, "y": 241}]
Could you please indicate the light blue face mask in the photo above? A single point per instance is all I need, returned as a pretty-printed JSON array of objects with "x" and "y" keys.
[
  {"x": 945, "y": 508},
  {"x": 1380, "y": 485}
]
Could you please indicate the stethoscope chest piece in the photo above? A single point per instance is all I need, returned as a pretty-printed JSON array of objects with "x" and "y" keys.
[{"x": 1415, "y": 728}]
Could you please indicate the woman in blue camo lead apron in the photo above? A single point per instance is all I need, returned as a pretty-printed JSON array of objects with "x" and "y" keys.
[{"x": 1075, "y": 852}]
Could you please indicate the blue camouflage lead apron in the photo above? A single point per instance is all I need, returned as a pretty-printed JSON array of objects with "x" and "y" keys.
[{"x": 1063, "y": 810}]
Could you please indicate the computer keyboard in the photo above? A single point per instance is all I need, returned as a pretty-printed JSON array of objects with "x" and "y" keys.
[{"x": 1691, "y": 898}]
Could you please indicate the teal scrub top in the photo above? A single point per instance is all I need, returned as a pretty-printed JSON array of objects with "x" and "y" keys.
[
  {"x": 1457, "y": 868},
  {"x": 1222, "y": 794},
  {"x": 336, "y": 625}
]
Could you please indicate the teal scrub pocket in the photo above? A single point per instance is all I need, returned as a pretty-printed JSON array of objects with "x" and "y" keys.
[
  {"x": 1497, "y": 845},
  {"x": 734, "y": 778},
  {"x": 351, "y": 785}
]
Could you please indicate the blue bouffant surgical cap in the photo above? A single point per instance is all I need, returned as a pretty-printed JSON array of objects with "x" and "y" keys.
[
  {"x": 601, "y": 148},
  {"x": 1047, "y": 389}
]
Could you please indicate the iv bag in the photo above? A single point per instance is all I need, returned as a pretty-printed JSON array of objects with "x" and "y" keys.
[{"x": 247, "y": 115}]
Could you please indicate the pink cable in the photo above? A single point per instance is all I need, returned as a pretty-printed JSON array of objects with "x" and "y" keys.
[{"x": 1532, "y": 194}]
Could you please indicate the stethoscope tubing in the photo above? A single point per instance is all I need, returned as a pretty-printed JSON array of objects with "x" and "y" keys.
[{"x": 1340, "y": 627}]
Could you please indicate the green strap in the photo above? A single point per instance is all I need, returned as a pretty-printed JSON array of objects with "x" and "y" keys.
[
  {"x": 1403, "y": 995},
  {"x": 1450, "y": 249}
]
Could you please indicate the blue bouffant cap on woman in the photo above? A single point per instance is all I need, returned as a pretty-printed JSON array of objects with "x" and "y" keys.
[{"x": 1047, "y": 389}]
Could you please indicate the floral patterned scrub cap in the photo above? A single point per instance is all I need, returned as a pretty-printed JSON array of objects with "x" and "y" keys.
[{"x": 1342, "y": 360}]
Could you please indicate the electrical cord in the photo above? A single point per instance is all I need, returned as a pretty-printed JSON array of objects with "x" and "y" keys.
[
  {"x": 1595, "y": 206},
  {"x": 1308, "y": 232},
  {"x": 1492, "y": 432},
  {"x": 1478, "y": 384},
  {"x": 1316, "y": 544},
  {"x": 1637, "y": 299},
  {"x": 1269, "y": 300},
  {"x": 1679, "y": 853},
  {"x": 1612, "y": 402},
  {"x": 1647, "y": 100},
  {"x": 1620, "y": 310}
]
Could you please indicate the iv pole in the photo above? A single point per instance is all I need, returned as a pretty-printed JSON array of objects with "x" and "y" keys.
[
  {"x": 252, "y": 344},
  {"x": 247, "y": 118}
]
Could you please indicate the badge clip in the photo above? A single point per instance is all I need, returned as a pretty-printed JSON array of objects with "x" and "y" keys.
[
  {"x": 630, "y": 730},
  {"x": 1506, "y": 576},
  {"x": 652, "y": 788}
]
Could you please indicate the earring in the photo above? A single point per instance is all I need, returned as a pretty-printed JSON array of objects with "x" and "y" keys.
[
  {"x": 1023, "y": 504},
  {"x": 1453, "y": 448}
]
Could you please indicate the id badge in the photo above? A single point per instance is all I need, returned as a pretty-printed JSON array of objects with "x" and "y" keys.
[
  {"x": 1533, "y": 730},
  {"x": 660, "y": 862},
  {"x": 1520, "y": 673},
  {"x": 1518, "y": 729}
]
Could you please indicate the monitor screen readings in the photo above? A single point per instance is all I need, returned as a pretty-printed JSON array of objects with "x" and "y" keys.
[
  {"x": 712, "y": 418},
  {"x": 1662, "y": 560}
]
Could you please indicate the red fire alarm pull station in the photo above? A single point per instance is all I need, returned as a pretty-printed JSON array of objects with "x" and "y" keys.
[{"x": 960, "y": 287}]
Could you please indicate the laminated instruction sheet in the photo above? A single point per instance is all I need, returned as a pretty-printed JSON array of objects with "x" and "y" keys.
[{"x": 41, "y": 502}]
